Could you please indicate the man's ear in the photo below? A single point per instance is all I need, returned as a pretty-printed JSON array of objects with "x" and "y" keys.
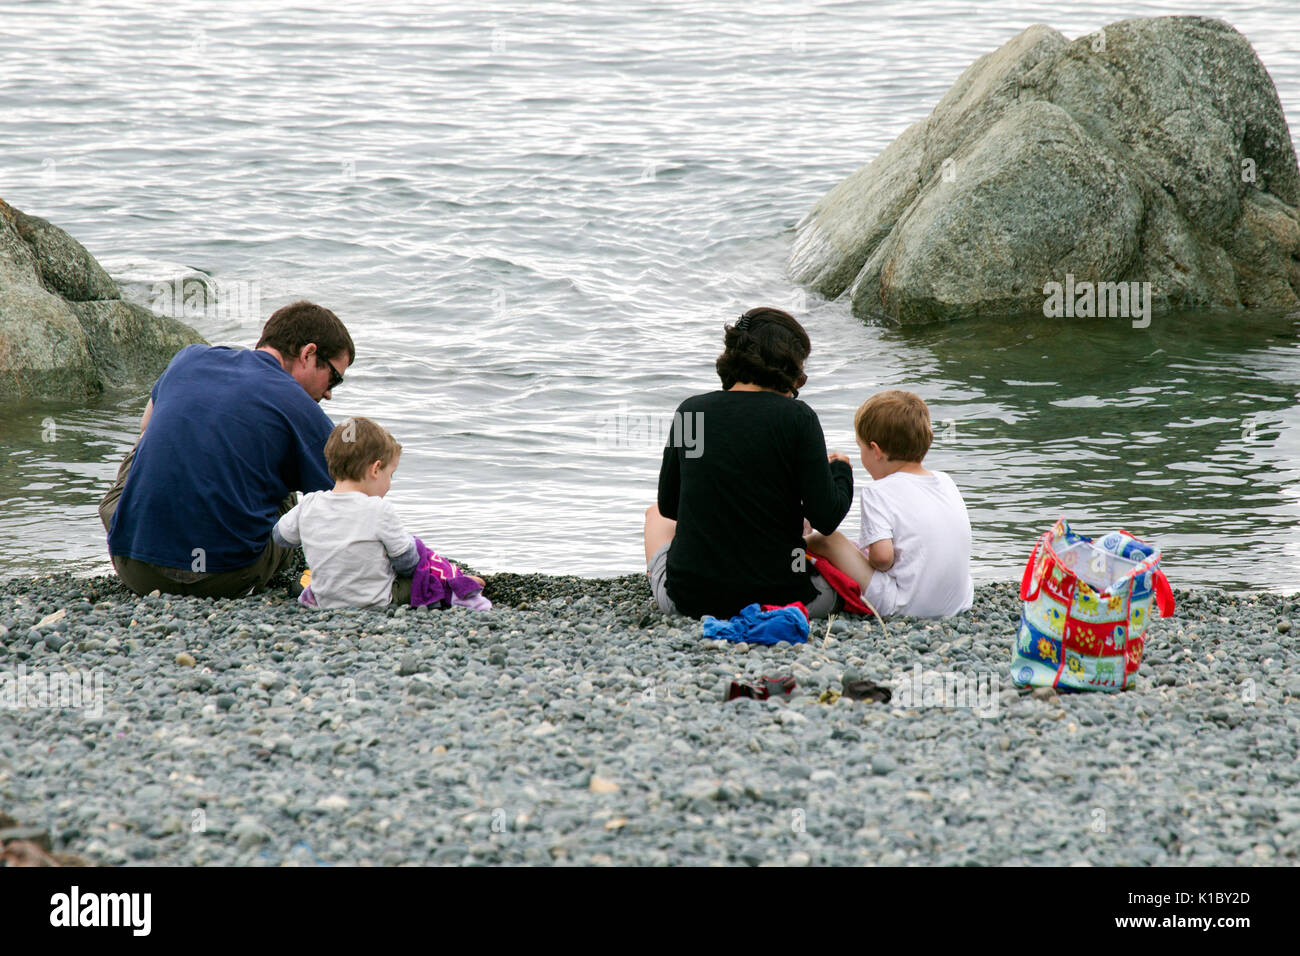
[{"x": 307, "y": 351}]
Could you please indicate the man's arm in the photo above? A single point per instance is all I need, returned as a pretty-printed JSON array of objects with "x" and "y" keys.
[
  {"x": 148, "y": 414},
  {"x": 305, "y": 468}
]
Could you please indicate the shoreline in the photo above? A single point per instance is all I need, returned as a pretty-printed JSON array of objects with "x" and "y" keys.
[
  {"x": 102, "y": 575},
  {"x": 574, "y": 723}
]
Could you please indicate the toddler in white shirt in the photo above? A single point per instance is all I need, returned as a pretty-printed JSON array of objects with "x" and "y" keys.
[
  {"x": 354, "y": 542},
  {"x": 914, "y": 554}
]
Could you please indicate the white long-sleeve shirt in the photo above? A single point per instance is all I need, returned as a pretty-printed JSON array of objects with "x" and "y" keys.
[{"x": 353, "y": 543}]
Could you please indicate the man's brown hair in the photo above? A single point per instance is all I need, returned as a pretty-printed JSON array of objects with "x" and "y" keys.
[
  {"x": 355, "y": 445},
  {"x": 897, "y": 421},
  {"x": 301, "y": 323}
]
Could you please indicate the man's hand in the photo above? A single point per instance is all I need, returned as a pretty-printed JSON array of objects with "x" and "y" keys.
[{"x": 838, "y": 456}]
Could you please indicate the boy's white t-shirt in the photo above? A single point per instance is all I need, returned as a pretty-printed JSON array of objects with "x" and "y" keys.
[
  {"x": 348, "y": 538},
  {"x": 926, "y": 518}
]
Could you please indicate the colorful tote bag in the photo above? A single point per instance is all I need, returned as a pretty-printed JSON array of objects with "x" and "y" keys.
[{"x": 1086, "y": 607}]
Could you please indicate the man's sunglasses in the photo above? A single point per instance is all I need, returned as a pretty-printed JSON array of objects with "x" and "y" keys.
[{"x": 335, "y": 378}]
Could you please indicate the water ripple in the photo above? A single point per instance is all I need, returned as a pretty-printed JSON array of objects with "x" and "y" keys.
[{"x": 535, "y": 219}]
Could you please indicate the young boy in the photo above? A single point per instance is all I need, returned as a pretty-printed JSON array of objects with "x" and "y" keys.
[
  {"x": 351, "y": 536},
  {"x": 914, "y": 556}
]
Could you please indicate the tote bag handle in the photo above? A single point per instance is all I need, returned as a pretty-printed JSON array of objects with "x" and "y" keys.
[{"x": 1029, "y": 570}]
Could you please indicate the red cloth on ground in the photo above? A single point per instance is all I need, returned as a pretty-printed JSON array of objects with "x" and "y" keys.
[
  {"x": 798, "y": 604},
  {"x": 843, "y": 584}
]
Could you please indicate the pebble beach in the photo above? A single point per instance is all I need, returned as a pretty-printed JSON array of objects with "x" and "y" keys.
[{"x": 574, "y": 724}]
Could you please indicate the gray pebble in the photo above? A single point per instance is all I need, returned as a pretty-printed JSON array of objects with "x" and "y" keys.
[{"x": 882, "y": 764}]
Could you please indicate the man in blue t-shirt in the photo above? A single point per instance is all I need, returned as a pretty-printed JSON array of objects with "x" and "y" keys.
[{"x": 228, "y": 437}]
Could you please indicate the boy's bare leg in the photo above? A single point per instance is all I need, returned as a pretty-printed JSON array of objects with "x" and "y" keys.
[
  {"x": 844, "y": 554},
  {"x": 658, "y": 531}
]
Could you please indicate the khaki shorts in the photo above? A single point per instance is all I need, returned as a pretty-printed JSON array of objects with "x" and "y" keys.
[{"x": 824, "y": 605}]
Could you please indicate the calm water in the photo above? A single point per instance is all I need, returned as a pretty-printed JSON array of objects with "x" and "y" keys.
[{"x": 534, "y": 219}]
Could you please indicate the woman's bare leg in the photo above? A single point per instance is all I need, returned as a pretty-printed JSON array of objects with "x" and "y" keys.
[
  {"x": 844, "y": 554},
  {"x": 658, "y": 531}
]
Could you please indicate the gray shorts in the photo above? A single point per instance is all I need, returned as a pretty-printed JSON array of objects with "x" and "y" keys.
[{"x": 822, "y": 606}]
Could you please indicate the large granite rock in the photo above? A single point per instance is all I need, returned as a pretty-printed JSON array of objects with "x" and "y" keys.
[
  {"x": 65, "y": 331},
  {"x": 1154, "y": 150}
]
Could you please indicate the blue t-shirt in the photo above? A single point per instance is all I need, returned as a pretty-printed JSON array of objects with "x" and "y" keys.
[{"x": 231, "y": 435}]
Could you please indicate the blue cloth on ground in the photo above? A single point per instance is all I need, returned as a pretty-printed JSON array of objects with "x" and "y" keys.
[
  {"x": 232, "y": 434},
  {"x": 753, "y": 625}
]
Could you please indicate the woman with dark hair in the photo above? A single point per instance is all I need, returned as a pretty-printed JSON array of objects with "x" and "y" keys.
[{"x": 743, "y": 468}]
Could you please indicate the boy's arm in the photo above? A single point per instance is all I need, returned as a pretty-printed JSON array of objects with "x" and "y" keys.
[
  {"x": 285, "y": 534},
  {"x": 877, "y": 531},
  {"x": 881, "y": 554},
  {"x": 406, "y": 562},
  {"x": 398, "y": 543}
]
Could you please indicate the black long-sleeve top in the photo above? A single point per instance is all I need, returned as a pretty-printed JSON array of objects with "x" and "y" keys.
[{"x": 740, "y": 472}]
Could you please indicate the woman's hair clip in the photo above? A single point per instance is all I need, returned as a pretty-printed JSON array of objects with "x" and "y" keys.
[{"x": 743, "y": 324}]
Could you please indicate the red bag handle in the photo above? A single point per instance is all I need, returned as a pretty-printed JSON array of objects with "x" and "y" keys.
[
  {"x": 1164, "y": 594},
  {"x": 1029, "y": 568}
]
